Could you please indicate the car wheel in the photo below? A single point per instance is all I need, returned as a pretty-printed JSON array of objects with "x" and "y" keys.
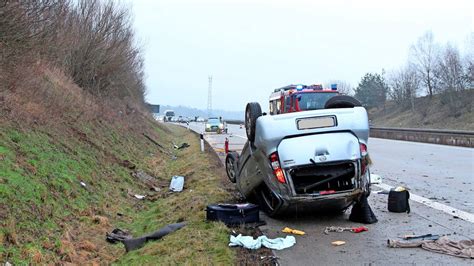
[
  {"x": 268, "y": 202},
  {"x": 342, "y": 101},
  {"x": 231, "y": 165},
  {"x": 252, "y": 112}
]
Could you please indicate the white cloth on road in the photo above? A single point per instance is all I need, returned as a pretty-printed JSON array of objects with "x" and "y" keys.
[{"x": 251, "y": 243}]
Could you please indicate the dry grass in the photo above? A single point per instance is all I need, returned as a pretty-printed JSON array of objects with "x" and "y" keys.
[{"x": 429, "y": 113}]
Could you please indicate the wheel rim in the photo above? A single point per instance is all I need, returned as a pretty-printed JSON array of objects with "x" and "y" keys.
[
  {"x": 230, "y": 169},
  {"x": 247, "y": 123}
]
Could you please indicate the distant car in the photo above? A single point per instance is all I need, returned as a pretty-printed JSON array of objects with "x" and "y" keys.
[
  {"x": 215, "y": 124},
  {"x": 200, "y": 119},
  {"x": 169, "y": 115}
]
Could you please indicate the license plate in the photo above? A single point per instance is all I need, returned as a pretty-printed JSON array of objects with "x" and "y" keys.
[{"x": 316, "y": 122}]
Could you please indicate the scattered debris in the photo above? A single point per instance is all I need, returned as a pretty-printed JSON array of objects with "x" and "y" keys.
[
  {"x": 100, "y": 220},
  {"x": 162, "y": 149},
  {"x": 128, "y": 164},
  {"x": 443, "y": 245},
  {"x": 347, "y": 229},
  {"x": 375, "y": 179},
  {"x": 233, "y": 214},
  {"x": 147, "y": 179},
  {"x": 271, "y": 259},
  {"x": 251, "y": 243},
  {"x": 117, "y": 235},
  {"x": 293, "y": 231},
  {"x": 182, "y": 146},
  {"x": 140, "y": 197},
  {"x": 177, "y": 183},
  {"x": 422, "y": 237},
  {"x": 136, "y": 243},
  {"x": 83, "y": 184},
  {"x": 338, "y": 243}
]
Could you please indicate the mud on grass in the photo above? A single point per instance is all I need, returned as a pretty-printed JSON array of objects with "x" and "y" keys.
[{"x": 46, "y": 216}]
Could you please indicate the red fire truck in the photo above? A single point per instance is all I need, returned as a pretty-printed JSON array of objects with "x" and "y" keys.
[{"x": 295, "y": 98}]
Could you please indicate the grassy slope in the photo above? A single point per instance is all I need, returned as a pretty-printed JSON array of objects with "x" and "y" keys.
[
  {"x": 429, "y": 113},
  {"x": 47, "y": 216}
]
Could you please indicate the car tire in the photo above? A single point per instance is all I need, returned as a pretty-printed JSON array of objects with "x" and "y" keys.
[
  {"x": 267, "y": 201},
  {"x": 342, "y": 101},
  {"x": 252, "y": 112},
  {"x": 231, "y": 165}
]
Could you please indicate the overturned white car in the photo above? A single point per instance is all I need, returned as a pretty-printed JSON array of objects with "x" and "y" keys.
[{"x": 300, "y": 160}]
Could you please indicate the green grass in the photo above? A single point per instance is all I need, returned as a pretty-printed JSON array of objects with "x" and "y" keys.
[{"x": 42, "y": 203}]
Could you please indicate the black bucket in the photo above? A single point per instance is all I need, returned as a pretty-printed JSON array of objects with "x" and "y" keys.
[{"x": 398, "y": 201}]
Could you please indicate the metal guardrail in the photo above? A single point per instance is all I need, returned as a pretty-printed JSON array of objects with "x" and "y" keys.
[
  {"x": 235, "y": 122},
  {"x": 436, "y": 136},
  {"x": 461, "y": 138}
]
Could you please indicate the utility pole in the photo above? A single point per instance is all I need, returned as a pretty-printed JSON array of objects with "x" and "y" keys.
[{"x": 209, "y": 98}]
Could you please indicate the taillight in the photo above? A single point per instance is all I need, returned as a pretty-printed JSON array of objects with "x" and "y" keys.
[
  {"x": 364, "y": 162},
  {"x": 277, "y": 171}
]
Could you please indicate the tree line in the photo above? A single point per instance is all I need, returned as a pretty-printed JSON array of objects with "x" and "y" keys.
[
  {"x": 92, "y": 41},
  {"x": 430, "y": 69}
]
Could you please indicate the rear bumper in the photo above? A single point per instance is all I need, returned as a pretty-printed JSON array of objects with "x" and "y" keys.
[{"x": 333, "y": 202}]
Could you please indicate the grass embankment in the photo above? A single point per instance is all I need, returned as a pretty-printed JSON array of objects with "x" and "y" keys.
[
  {"x": 47, "y": 216},
  {"x": 442, "y": 111}
]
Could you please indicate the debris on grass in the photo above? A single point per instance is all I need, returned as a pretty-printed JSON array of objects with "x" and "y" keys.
[
  {"x": 177, "y": 183},
  {"x": 136, "y": 243},
  {"x": 117, "y": 235},
  {"x": 140, "y": 197}
]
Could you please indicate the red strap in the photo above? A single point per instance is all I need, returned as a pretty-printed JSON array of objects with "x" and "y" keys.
[{"x": 359, "y": 229}]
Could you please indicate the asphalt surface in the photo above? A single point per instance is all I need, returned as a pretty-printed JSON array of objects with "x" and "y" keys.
[{"x": 440, "y": 179}]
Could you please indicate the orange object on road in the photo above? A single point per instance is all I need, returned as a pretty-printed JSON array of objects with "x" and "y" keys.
[{"x": 293, "y": 231}]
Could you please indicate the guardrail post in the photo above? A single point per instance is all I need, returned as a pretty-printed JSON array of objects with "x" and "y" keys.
[{"x": 202, "y": 142}]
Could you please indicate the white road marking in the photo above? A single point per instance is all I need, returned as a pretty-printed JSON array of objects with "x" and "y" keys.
[{"x": 435, "y": 205}]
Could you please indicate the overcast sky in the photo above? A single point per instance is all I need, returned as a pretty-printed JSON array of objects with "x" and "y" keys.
[{"x": 251, "y": 47}]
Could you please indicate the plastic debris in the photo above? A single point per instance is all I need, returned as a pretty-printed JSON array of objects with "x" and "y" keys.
[
  {"x": 293, "y": 231},
  {"x": 177, "y": 183},
  {"x": 136, "y": 243},
  {"x": 375, "y": 179},
  {"x": 117, "y": 235},
  {"x": 83, "y": 184},
  {"x": 140, "y": 197},
  {"x": 251, "y": 243},
  {"x": 338, "y": 243}
]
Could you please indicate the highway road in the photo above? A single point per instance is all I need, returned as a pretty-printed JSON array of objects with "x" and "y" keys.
[{"x": 440, "y": 179}]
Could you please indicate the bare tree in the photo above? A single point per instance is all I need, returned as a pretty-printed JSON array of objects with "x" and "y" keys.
[
  {"x": 423, "y": 53},
  {"x": 450, "y": 70},
  {"x": 468, "y": 61},
  {"x": 404, "y": 85}
]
